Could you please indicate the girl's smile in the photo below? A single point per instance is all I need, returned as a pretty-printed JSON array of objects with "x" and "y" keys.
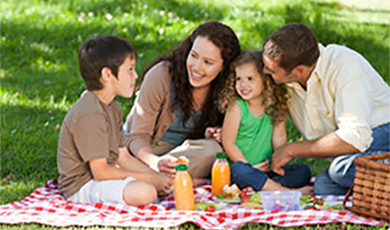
[{"x": 248, "y": 82}]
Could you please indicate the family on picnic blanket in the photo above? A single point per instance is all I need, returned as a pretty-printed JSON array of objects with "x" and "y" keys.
[{"x": 208, "y": 96}]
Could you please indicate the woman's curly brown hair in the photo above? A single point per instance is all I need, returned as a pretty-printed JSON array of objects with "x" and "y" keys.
[
  {"x": 275, "y": 97},
  {"x": 226, "y": 40}
]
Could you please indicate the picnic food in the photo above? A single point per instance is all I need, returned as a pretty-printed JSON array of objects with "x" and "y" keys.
[
  {"x": 207, "y": 206},
  {"x": 220, "y": 174},
  {"x": 229, "y": 198},
  {"x": 252, "y": 205},
  {"x": 182, "y": 160},
  {"x": 233, "y": 194},
  {"x": 250, "y": 200},
  {"x": 280, "y": 200},
  {"x": 183, "y": 190},
  {"x": 233, "y": 189},
  {"x": 314, "y": 203}
]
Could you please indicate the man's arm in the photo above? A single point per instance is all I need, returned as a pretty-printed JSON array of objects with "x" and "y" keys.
[{"x": 330, "y": 145}]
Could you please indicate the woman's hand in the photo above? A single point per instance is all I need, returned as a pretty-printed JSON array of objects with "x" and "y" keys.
[
  {"x": 214, "y": 132},
  {"x": 167, "y": 166},
  {"x": 263, "y": 166}
]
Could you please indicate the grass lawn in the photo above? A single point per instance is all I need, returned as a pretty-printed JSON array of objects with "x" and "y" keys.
[{"x": 39, "y": 69}]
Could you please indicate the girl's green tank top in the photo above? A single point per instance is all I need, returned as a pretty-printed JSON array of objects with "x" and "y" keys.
[{"x": 254, "y": 137}]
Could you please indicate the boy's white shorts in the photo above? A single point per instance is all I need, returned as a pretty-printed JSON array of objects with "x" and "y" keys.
[{"x": 105, "y": 191}]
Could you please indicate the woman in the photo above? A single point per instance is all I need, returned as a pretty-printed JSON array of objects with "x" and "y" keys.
[{"x": 175, "y": 113}]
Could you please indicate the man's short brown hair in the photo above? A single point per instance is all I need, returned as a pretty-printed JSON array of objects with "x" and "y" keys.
[{"x": 292, "y": 45}]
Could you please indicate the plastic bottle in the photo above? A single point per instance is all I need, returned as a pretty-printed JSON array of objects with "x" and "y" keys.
[
  {"x": 220, "y": 174},
  {"x": 184, "y": 193}
]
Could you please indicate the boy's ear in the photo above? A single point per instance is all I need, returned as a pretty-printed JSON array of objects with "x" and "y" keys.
[{"x": 106, "y": 74}]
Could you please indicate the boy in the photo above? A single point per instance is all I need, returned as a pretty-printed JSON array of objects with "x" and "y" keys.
[{"x": 93, "y": 162}]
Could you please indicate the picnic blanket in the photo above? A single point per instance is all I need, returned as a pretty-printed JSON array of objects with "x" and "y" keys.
[{"x": 46, "y": 206}]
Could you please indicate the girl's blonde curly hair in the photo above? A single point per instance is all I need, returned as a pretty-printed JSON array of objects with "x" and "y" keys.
[{"x": 275, "y": 97}]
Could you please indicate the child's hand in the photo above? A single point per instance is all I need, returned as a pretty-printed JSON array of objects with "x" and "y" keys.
[
  {"x": 163, "y": 184},
  {"x": 263, "y": 166},
  {"x": 167, "y": 166},
  {"x": 214, "y": 132}
]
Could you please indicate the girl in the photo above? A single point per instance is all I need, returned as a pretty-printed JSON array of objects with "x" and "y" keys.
[{"x": 254, "y": 125}]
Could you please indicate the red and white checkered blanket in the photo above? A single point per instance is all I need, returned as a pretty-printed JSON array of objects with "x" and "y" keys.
[{"x": 46, "y": 206}]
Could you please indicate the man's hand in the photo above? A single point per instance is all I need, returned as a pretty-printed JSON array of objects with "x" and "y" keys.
[
  {"x": 280, "y": 157},
  {"x": 167, "y": 166},
  {"x": 263, "y": 166},
  {"x": 214, "y": 132}
]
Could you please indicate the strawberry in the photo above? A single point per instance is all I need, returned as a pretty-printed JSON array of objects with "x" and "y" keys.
[
  {"x": 245, "y": 198},
  {"x": 242, "y": 193},
  {"x": 210, "y": 208},
  {"x": 228, "y": 196}
]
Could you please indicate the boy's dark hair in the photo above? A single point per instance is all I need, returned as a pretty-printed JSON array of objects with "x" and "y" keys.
[
  {"x": 99, "y": 52},
  {"x": 292, "y": 45}
]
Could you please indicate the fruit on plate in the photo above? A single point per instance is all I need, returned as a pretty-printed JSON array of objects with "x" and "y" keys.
[
  {"x": 229, "y": 197},
  {"x": 314, "y": 203},
  {"x": 255, "y": 198},
  {"x": 210, "y": 208},
  {"x": 232, "y": 189},
  {"x": 252, "y": 201},
  {"x": 245, "y": 198},
  {"x": 207, "y": 206},
  {"x": 246, "y": 194}
]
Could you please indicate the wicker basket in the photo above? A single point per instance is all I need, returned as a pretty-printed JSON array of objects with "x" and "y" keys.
[{"x": 371, "y": 189}]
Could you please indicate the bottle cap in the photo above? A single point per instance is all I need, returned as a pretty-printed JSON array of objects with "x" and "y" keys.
[
  {"x": 221, "y": 155},
  {"x": 181, "y": 167}
]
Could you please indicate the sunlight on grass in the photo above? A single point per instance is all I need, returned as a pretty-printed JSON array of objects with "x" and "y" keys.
[
  {"x": 13, "y": 191},
  {"x": 19, "y": 100}
]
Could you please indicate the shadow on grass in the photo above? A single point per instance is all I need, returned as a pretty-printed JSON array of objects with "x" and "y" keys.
[{"x": 29, "y": 142}]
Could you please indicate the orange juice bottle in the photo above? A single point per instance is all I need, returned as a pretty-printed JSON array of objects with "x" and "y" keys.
[
  {"x": 183, "y": 190},
  {"x": 220, "y": 174}
]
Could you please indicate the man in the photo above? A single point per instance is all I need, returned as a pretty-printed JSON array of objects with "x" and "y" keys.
[{"x": 338, "y": 102}]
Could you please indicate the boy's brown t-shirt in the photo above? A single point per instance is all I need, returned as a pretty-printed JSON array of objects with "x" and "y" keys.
[{"x": 90, "y": 130}]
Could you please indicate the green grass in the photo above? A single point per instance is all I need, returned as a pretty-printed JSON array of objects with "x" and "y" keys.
[{"x": 39, "y": 71}]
